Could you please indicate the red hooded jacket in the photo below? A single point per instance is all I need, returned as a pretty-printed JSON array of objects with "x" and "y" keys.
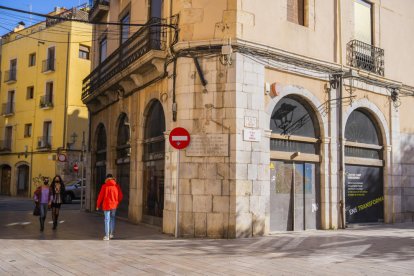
[{"x": 109, "y": 196}]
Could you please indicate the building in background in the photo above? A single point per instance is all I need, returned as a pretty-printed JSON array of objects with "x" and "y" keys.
[
  {"x": 299, "y": 113},
  {"x": 43, "y": 120}
]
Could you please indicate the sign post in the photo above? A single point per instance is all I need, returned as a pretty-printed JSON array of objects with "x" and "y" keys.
[{"x": 179, "y": 139}]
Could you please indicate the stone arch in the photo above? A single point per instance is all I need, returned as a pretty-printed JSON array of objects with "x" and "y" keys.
[
  {"x": 307, "y": 97},
  {"x": 375, "y": 113},
  {"x": 122, "y": 161},
  {"x": 153, "y": 162}
]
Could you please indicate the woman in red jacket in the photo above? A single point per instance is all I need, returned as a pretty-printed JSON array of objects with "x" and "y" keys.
[{"x": 109, "y": 197}]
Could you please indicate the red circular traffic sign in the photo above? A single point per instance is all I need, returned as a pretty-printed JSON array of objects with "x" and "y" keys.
[
  {"x": 75, "y": 167},
  {"x": 179, "y": 138}
]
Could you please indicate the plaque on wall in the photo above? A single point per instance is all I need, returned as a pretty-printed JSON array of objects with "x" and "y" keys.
[{"x": 208, "y": 145}]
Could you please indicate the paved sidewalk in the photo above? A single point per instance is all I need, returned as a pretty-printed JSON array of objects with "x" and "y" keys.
[{"x": 76, "y": 248}]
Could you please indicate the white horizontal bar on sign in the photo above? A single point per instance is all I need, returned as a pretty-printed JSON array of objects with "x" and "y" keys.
[{"x": 180, "y": 138}]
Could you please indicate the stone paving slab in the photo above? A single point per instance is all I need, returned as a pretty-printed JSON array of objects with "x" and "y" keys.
[{"x": 77, "y": 248}]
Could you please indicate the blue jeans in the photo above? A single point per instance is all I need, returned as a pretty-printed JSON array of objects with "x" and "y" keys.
[{"x": 109, "y": 222}]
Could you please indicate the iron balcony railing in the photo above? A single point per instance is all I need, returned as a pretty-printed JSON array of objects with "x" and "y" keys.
[
  {"x": 365, "y": 56},
  {"x": 10, "y": 75},
  {"x": 48, "y": 65},
  {"x": 7, "y": 108},
  {"x": 5, "y": 145},
  {"x": 46, "y": 101},
  {"x": 44, "y": 142},
  {"x": 144, "y": 40},
  {"x": 99, "y": 7}
]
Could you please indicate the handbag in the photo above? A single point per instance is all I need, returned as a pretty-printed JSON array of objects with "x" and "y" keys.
[{"x": 36, "y": 210}]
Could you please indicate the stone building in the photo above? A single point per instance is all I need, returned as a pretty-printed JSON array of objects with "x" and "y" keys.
[{"x": 298, "y": 111}]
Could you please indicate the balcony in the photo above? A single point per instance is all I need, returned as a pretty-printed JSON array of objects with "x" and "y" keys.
[
  {"x": 48, "y": 65},
  {"x": 5, "y": 145},
  {"x": 365, "y": 56},
  {"x": 44, "y": 142},
  {"x": 129, "y": 57},
  {"x": 99, "y": 8},
  {"x": 7, "y": 109},
  {"x": 46, "y": 102},
  {"x": 10, "y": 76}
]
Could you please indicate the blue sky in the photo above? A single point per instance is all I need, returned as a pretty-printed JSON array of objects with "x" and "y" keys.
[{"x": 8, "y": 19}]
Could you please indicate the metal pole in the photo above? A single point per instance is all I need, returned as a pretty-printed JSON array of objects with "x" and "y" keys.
[
  {"x": 177, "y": 203},
  {"x": 294, "y": 195},
  {"x": 82, "y": 168}
]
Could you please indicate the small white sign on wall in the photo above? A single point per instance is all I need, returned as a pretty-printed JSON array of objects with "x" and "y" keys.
[
  {"x": 250, "y": 122},
  {"x": 252, "y": 135}
]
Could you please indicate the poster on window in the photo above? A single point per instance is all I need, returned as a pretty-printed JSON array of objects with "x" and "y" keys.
[{"x": 364, "y": 195}]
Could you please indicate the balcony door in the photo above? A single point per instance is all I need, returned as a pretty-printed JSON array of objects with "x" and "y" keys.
[
  {"x": 155, "y": 14},
  {"x": 47, "y": 134},
  {"x": 51, "y": 58}
]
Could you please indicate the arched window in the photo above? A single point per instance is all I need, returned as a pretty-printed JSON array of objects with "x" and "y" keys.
[
  {"x": 362, "y": 137},
  {"x": 293, "y": 128},
  {"x": 100, "y": 157},
  {"x": 294, "y": 166},
  {"x": 123, "y": 152},
  {"x": 154, "y": 154},
  {"x": 363, "y": 169},
  {"x": 100, "y": 143},
  {"x": 123, "y": 139}
]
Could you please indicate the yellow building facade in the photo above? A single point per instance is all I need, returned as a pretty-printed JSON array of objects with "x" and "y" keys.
[{"x": 44, "y": 124}]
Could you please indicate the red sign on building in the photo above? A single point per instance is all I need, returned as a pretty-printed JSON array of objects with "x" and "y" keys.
[{"x": 179, "y": 138}]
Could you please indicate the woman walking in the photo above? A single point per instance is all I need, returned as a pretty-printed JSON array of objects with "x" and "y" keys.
[
  {"x": 43, "y": 197},
  {"x": 58, "y": 190}
]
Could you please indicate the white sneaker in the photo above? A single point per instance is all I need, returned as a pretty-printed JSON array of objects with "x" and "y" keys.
[
  {"x": 106, "y": 238},
  {"x": 111, "y": 236}
]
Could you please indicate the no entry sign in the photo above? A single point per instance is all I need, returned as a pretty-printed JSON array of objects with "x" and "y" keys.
[{"x": 179, "y": 138}]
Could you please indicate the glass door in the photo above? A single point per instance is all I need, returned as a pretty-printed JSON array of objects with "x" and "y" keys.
[{"x": 294, "y": 196}]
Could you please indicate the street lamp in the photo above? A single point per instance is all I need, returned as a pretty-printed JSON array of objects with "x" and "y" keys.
[{"x": 283, "y": 116}]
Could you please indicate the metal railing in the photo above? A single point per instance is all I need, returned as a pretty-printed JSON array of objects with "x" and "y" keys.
[
  {"x": 44, "y": 142},
  {"x": 46, "y": 101},
  {"x": 7, "y": 108},
  {"x": 10, "y": 75},
  {"x": 144, "y": 40},
  {"x": 48, "y": 65},
  {"x": 5, "y": 145},
  {"x": 365, "y": 56}
]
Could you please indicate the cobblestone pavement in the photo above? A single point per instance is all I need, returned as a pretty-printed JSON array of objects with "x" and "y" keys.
[{"x": 77, "y": 248}]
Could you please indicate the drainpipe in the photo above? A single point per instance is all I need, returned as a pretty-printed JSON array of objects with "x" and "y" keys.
[
  {"x": 341, "y": 156},
  {"x": 66, "y": 94}
]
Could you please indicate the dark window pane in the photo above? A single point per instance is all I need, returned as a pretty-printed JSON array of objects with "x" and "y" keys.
[
  {"x": 293, "y": 146},
  {"x": 361, "y": 129},
  {"x": 155, "y": 124},
  {"x": 292, "y": 118},
  {"x": 362, "y": 152}
]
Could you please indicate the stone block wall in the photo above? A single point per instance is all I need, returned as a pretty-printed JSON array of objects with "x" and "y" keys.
[{"x": 221, "y": 196}]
